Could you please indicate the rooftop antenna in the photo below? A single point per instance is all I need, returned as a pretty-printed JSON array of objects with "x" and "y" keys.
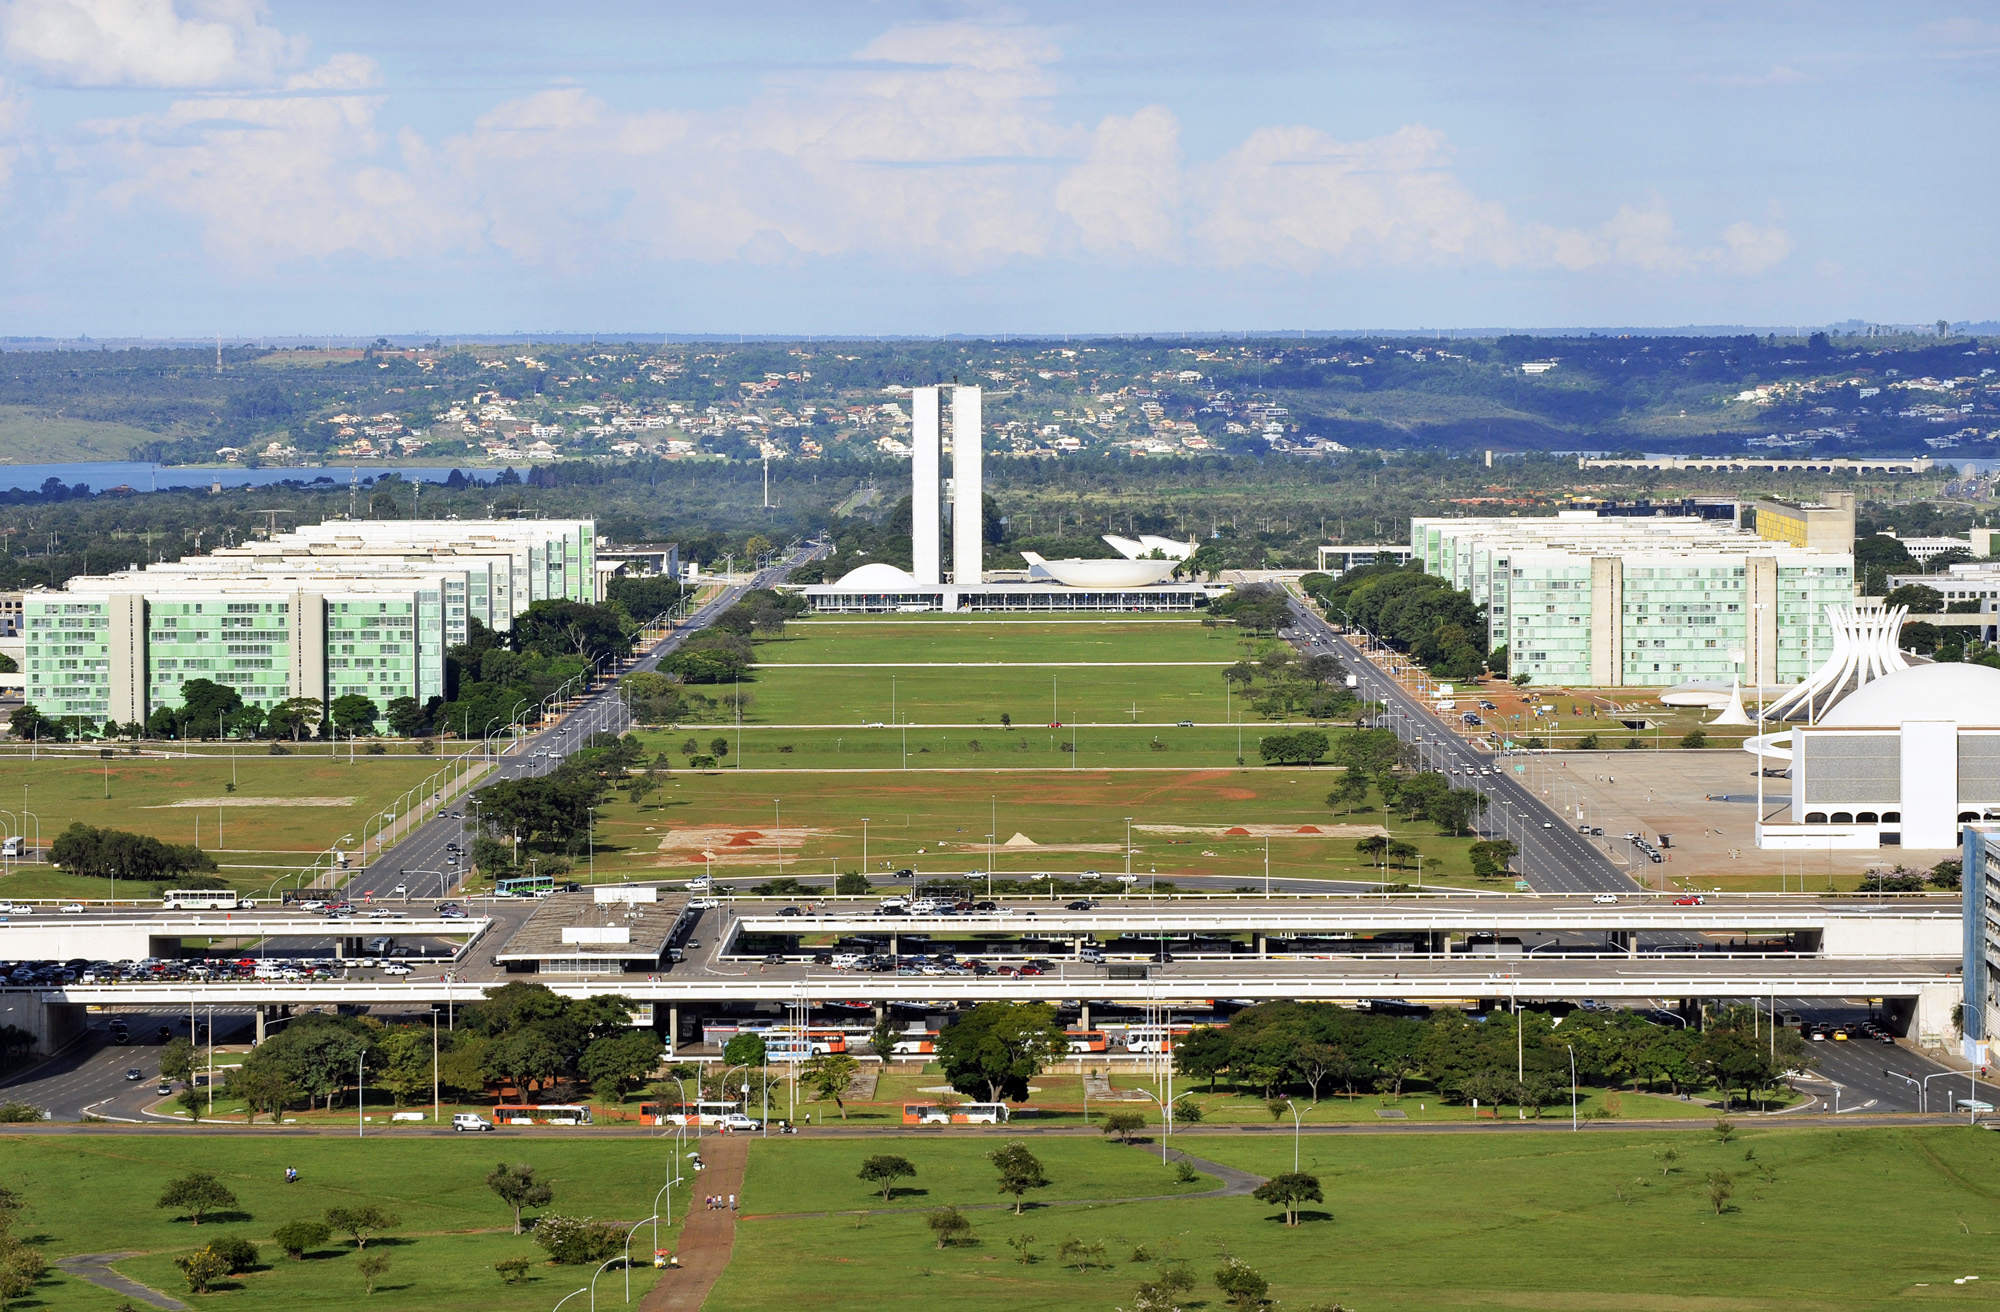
[
  {"x": 274, "y": 520},
  {"x": 218, "y": 353}
]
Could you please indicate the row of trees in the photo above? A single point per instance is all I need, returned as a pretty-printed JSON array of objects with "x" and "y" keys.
[
  {"x": 1412, "y": 611},
  {"x": 522, "y": 1035},
  {"x": 1499, "y": 1059},
  {"x": 85, "y": 849}
]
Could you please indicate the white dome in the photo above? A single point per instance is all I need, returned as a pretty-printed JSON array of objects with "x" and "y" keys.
[
  {"x": 878, "y": 577},
  {"x": 1966, "y": 694}
]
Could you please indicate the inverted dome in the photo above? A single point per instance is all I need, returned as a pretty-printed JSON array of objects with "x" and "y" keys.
[
  {"x": 1966, "y": 694},
  {"x": 877, "y": 576},
  {"x": 1100, "y": 573}
]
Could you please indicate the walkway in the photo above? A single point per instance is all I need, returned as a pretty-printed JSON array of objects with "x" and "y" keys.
[
  {"x": 96, "y": 1268},
  {"x": 707, "y": 1237}
]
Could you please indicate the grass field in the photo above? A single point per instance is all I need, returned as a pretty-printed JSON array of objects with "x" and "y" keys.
[
  {"x": 94, "y": 1195},
  {"x": 1824, "y": 1219},
  {"x": 937, "y": 821},
  {"x": 283, "y": 812},
  {"x": 1038, "y": 671},
  {"x": 32, "y": 436}
]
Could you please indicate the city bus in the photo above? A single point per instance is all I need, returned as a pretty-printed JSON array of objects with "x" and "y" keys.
[
  {"x": 964, "y": 1113},
  {"x": 1081, "y": 1041},
  {"x": 204, "y": 899},
  {"x": 688, "y": 1113},
  {"x": 525, "y": 886},
  {"x": 915, "y": 1043},
  {"x": 547, "y": 1113},
  {"x": 1154, "y": 1038}
]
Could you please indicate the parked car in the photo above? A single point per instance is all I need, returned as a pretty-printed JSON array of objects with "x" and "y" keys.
[{"x": 463, "y": 1121}]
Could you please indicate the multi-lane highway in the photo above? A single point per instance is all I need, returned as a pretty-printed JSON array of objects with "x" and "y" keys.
[
  {"x": 1554, "y": 857},
  {"x": 424, "y": 864}
]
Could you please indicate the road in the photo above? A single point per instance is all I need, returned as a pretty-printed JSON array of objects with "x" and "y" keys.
[
  {"x": 422, "y": 861},
  {"x": 1554, "y": 857}
]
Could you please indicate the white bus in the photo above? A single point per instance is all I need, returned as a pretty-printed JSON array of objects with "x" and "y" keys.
[
  {"x": 204, "y": 899},
  {"x": 689, "y": 1113}
]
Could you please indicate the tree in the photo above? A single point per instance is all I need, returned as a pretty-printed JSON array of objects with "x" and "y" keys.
[
  {"x": 1123, "y": 1125},
  {"x": 371, "y": 1267},
  {"x": 1241, "y": 1284},
  {"x": 360, "y": 1223},
  {"x": 1349, "y": 794},
  {"x": 828, "y": 1075},
  {"x": 571, "y": 628},
  {"x": 718, "y": 747},
  {"x": 1696, "y": 738},
  {"x": 1020, "y": 1171},
  {"x": 262, "y": 1088},
  {"x": 851, "y": 885},
  {"x": 1202, "y": 1054},
  {"x": 295, "y": 717},
  {"x": 884, "y": 1169},
  {"x": 197, "y": 1193},
  {"x": 354, "y": 714},
  {"x": 1920, "y": 598},
  {"x": 1721, "y": 1188},
  {"x": 206, "y": 707},
  {"x": 518, "y": 1188},
  {"x": 1288, "y": 1191},
  {"x": 949, "y": 1225},
  {"x": 202, "y": 1268},
  {"x": 744, "y": 1050},
  {"x": 406, "y": 718},
  {"x": 997, "y": 1047},
  {"x": 297, "y": 1238},
  {"x": 619, "y": 1061},
  {"x": 1490, "y": 857},
  {"x": 177, "y": 1060}
]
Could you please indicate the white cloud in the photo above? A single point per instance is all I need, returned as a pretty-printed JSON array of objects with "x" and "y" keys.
[
  {"x": 147, "y": 43},
  {"x": 936, "y": 147}
]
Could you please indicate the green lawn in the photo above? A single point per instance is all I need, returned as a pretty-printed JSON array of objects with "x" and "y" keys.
[
  {"x": 89, "y": 1194},
  {"x": 1843, "y": 1220},
  {"x": 908, "y": 670},
  {"x": 937, "y": 821},
  {"x": 284, "y": 810}
]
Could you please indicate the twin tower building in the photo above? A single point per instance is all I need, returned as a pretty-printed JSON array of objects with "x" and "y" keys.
[{"x": 968, "y": 497}]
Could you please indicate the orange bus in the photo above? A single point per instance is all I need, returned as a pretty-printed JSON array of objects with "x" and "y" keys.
[{"x": 1081, "y": 1041}]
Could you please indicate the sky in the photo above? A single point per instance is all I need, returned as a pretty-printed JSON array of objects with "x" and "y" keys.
[{"x": 200, "y": 167}]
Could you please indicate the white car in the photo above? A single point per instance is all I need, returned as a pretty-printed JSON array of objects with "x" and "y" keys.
[
  {"x": 1605, "y": 899},
  {"x": 703, "y": 903},
  {"x": 737, "y": 1122},
  {"x": 395, "y": 968},
  {"x": 463, "y": 1121},
  {"x": 72, "y": 908}
]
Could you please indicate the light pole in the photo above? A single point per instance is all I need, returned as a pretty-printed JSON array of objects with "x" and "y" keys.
[
  {"x": 1166, "y": 1122},
  {"x": 1572, "y": 1087},
  {"x": 655, "y": 1219},
  {"x": 1297, "y": 1121},
  {"x": 360, "y": 1090},
  {"x": 600, "y": 1271}
]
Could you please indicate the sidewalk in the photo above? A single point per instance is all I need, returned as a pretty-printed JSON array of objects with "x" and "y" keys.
[{"x": 708, "y": 1237}]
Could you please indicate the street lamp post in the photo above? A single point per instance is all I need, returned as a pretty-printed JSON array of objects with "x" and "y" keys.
[
  {"x": 360, "y": 1089},
  {"x": 1297, "y": 1122},
  {"x": 655, "y": 1219}
]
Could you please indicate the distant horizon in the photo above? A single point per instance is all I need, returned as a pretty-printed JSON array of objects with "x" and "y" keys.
[{"x": 1847, "y": 330}]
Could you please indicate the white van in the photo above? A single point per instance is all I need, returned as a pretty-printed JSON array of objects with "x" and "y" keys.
[
  {"x": 1092, "y": 956},
  {"x": 463, "y": 1121},
  {"x": 847, "y": 960}
]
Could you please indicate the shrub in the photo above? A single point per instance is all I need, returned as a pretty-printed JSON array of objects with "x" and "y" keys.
[
  {"x": 202, "y": 1268},
  {"x": 298, "y": 1238},
  {"x": 373, "y": 1266},
  {"x": 949, "y": 1225},
  {"x": 575, "y": 1240},
  {"x": 14, "y": 1113},
  {"x": 513, "y": 1270},
  {"x": 237, "y": 1251}
]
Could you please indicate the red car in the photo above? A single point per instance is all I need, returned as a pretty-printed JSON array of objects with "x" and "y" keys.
[
  {"x": 1691, "y": 900},
  {"x": 1029, "y": 970}
]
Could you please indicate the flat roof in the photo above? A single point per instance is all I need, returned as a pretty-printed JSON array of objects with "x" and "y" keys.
[{"x": 578, "y": 926}]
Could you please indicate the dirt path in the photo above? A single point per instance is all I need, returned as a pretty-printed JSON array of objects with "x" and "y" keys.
[{"x": 708, "y": 1237}]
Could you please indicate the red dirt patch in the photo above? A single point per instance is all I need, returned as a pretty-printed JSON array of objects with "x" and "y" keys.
[
  {"x": 743, "y": 839},
  {"x": 1308, "y": 829},
  {"x": 1237, "y": 832},
  {"x": 1236, "y": 794}
]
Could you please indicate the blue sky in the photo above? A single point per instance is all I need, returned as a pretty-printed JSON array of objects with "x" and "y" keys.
[{"x": 221, "y": 166}]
